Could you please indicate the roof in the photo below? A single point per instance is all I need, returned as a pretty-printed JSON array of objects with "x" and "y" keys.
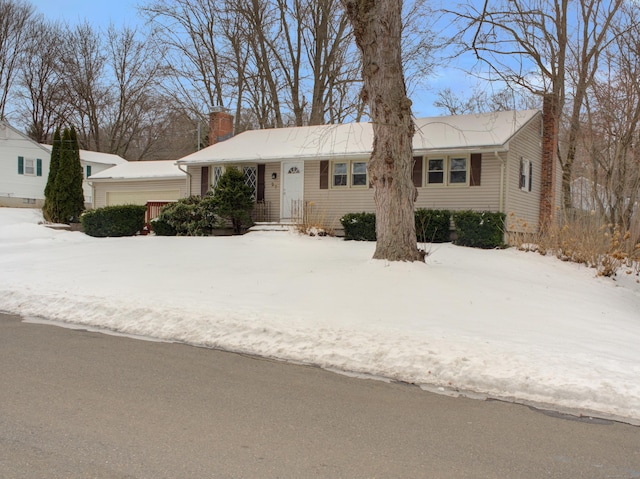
[
  {"x": 477, "y": 131},
  {"x": 96, "y": 157},
  {"x": 132, "y": 170}
]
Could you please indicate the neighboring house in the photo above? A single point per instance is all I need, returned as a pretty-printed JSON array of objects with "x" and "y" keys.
[
  {"x": 24, "y": 168},
  {"x": 93, "y": 162},
  {"x": 137, "y": 182},
  {"x": 489, "y": 161}
]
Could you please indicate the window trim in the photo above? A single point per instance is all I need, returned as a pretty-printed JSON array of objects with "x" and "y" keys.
[
  {"x": 349, "y": 174},
  {"x": 525, "y": 180},
  {"x": 27, "y": 167},
  {"x": 446, "y": 171}
]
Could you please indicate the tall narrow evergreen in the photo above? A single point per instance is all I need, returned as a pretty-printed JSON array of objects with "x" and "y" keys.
[
  {"x": 68, "y": 180},
  {"x": 50, "y": 208}
]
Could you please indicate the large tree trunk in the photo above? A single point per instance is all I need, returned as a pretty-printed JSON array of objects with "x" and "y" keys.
[{"x": 377, "y": 26}]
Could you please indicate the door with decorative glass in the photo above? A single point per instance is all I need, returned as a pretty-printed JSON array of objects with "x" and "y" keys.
[{"x": 292, "y": 204}]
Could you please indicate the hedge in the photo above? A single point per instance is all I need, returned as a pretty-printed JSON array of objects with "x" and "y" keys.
[
  {"x": 124, "y": 220},
  {"x": 359, "y": 226},
  {"x": 433, "y": 226},
  {"x": 483, "y": 229}
]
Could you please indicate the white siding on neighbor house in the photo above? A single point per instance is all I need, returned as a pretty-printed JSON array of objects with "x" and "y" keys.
[
  {"x": 86, "y": 187},
  {"x": 108, "y": 193},
  {"x": 21, "y": 189},
  {"x": 523, "y": 207}
]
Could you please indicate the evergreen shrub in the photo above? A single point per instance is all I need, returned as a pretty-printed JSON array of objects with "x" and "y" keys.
[
  {"x": 233, "y": 199},
  {"x": 192, "y": 216},
  {"x": 433, "y": 226},
  {"x": 123, "y": 220},
  {"x": 359, "y": 226},
  {"x": 483, "y": 229}
]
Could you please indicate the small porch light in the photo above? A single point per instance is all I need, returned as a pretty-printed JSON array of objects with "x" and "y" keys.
[{"x": 274, "y": 175}]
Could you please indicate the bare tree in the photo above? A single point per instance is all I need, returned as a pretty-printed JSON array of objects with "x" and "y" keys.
[
  {"x": 377, "y": 27},
  {"x": 547, "y": 47},
  {"x": 14, "y": 19},
  {"x": 41, "y": 91},
  {"x": 135, "y": 66},
  {"x": 83, "y": 70}
]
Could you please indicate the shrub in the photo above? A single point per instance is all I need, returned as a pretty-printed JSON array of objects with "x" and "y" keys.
[
  {"x": 433, "y": 226},
  {"x": 125, "y": 220},
  {"x": 192, "y": 216},
  {"x": 479, "y": 229},
  {"x": 233, "y": 199},
  {"x": 359, "y": 226}
]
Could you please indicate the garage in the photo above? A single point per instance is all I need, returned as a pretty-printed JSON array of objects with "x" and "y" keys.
[
  {"x": 140, "y": 197},
  {"x": 138, "y": 182}
]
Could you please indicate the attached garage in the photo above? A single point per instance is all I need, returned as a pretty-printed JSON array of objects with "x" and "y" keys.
[
  {"x": 138, "y": 182},
  {"x": 140, "y": 197}
]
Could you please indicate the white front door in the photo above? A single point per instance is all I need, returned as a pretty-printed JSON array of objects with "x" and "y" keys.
[{"x": 292, "y": 204}]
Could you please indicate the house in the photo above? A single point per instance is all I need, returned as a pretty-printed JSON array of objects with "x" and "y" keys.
[
  {"x": 490, "y": 161},
  {"x": 138, "y": 182},
  {"x": 93, "y": 162},
  {"x": 24, "y": 168}
]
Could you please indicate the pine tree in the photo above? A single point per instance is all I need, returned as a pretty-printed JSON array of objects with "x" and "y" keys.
[
  {"x": 233, "y": 199},
  {"x": 50, "y": 208},
  {"x": 68, "y": 181}
]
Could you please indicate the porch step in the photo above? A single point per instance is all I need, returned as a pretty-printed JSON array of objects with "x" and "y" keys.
[{"x": 267, "y": 226}]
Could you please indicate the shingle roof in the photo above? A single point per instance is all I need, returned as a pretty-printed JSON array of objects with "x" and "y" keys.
[
  {"x": 486, "y": 130},
  {"x": 132, "y": 170},
  {"x": 96, "y": 157}
]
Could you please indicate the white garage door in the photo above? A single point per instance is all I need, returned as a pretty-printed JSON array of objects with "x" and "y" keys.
[{"x": 140, "y": 197}]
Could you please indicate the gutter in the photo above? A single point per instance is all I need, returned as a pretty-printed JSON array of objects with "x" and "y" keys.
[
  {"x": 188, "y": 178},
  {"x": 503, "y": 168}
]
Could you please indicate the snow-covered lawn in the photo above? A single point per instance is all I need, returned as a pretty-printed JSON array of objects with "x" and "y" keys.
[{"x": 501, "y": 323}]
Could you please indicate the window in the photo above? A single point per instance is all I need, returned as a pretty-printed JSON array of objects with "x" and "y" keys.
[
  {"x": 251, "y": 178},
  {"x": 448, "y": 171},
  {"x": 435, "y": 172},
  {"x": 217, "y": 173},
  {"x": 88, "y": 171},
  {"x": 29, "y": 167},
  {"x": 339, "y": 174},
  {"x": 359, "y": 173},
  {"x": 526, "y": 172},
  {"x": 458, "y": 171}
]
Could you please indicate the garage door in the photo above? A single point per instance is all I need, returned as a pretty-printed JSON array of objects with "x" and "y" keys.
[{"x": 140, "y": 197}]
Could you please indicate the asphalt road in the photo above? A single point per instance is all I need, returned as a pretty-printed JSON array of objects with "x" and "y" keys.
[{"x": 77, "y": 404}]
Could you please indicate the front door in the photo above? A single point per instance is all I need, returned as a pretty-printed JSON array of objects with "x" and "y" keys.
[{"x": 292, "y": 191}]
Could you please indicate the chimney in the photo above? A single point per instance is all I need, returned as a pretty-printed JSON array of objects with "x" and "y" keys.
[
  {"x": 549, "y": 151},
  {"x": 220, "y": 126}
]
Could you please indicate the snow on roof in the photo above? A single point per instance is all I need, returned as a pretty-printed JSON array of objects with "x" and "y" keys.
[
  {"x": 96, "y": 157},
  {"x": 132, "y": 170},
  {"x": 486, "y": 130}
]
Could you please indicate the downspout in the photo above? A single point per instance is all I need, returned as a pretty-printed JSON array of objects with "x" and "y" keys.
[
  {"x": 186, "y": 172},
  {"x": 503, "y": 167}
]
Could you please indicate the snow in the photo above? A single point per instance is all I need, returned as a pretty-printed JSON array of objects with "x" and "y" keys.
[
  {"x": 141, "y": 169},
  {"x": 95, "y": 156},
  {"x": 485, "y": 130},
  {"x": 500, "y": 323}
]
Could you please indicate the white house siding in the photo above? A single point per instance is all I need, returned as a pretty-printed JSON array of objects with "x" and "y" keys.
[
  {"x": 272, "y": 190},
  {"x": 86, "y": 187},
  {"x": 18, "y": 190},
  {"x": 485, "y": 197},
  {"x": 194, "y": 173},
  {"x": 108, "y": 193},
  {"x": 523, "y": 207},
  {"x": 328, "y": 206}
]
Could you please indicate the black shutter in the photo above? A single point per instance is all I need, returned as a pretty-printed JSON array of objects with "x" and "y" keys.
[
  {"x": 260, "y": 183},
  {"x": 476, "y": 169},
  {"x": 324, "y": 175},
  {"x": 417, "y": 171},
  {"x": 204, "y": 180}
]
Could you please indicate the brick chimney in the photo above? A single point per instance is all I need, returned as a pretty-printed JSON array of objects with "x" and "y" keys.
[
  {"x": 549, "y": 162},
  {"x": 220, "y": 126}
]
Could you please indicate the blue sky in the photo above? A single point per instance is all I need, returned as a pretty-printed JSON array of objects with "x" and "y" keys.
[
  {"x": 97, "y": 12},
  {"x": 102, "y": 12}
]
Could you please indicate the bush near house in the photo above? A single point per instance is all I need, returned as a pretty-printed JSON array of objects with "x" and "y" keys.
[
  {"x": 124, "y": 220},
  {"x": 192, "y": 216},
  {"x": 433, "y": 226},
  {"x": 233, "y": 199},
  {"x": 483, "y": 229},
  {"x": 359, "y": 226}
]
